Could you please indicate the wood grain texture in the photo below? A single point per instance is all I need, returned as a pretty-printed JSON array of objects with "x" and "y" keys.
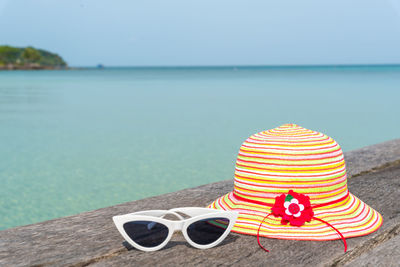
[
  {"x": 90, "y": 238},
  {"x": 387, "y": 254}
]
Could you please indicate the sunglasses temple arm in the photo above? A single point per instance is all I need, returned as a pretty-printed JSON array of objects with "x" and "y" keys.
[
  {"x": 174, "y": 213},
  {"x": 158, "y": 213},
  {"x": 152, "y": 224},
  {"x": 194, "y": 211}
]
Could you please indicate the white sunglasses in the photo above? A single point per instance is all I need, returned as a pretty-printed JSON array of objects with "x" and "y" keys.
[{"x": 149, "y": 231}]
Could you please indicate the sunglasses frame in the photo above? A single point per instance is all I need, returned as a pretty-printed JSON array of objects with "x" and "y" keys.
[{"x": 195, "y": 214}]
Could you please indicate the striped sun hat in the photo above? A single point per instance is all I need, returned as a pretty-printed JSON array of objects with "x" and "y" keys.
[{"x": 299, "y": 176}]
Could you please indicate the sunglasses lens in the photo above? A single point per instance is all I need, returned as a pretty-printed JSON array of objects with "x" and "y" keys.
[
  {"x": 207, "y": 231},
  {"x": 146, "y": 233}
]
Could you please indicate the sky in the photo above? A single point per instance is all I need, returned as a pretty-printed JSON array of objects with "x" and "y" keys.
[{"x": 207, "y": 32}]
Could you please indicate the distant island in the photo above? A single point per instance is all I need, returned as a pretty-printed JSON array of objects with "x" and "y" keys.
[{"x": 29, "y": 58}]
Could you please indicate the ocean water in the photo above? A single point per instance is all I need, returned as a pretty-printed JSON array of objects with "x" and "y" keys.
[{"x": 78, "y": 140}]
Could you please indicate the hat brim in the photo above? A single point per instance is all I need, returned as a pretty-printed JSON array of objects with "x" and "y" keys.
[{"x": 351, "y": 217}]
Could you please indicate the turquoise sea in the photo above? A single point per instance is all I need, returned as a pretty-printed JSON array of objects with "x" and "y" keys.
[{"x": 78, "y": 140}]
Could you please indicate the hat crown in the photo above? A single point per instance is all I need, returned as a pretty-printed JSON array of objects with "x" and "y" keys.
[{"x": 272, "y": 162}]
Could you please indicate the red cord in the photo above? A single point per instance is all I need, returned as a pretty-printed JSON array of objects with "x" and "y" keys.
[
  {"x": 318, "y": 219},
  {"x": 258, "y": 233},
  {"x": 341, "y": 236},
  {"x": 314, "y": 206}
]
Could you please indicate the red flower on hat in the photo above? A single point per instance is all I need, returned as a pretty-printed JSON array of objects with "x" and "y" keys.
[{"x": 294, "y": 208}]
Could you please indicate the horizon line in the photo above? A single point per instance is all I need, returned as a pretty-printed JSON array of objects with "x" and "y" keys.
[{"x": 243, "y": 66}]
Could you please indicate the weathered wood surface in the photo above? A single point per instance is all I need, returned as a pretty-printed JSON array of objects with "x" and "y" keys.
[{"x": 90, "y": 238}]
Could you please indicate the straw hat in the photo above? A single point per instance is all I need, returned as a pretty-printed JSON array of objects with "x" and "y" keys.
[{"x": 298, "y": 176}]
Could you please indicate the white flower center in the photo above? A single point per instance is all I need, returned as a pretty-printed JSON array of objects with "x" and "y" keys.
[{"x": 293, "y": 207}]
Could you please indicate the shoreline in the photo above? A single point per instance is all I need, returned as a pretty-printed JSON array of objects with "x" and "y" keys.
[{"x": 11, "y": 67}]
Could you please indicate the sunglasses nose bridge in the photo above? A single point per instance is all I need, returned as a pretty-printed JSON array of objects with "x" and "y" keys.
[{"x": 177, "y": 226}]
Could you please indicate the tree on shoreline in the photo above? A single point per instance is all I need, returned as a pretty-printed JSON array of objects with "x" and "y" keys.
[{"x": 29, "y": 57}]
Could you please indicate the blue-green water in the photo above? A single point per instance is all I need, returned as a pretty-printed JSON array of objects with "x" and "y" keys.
[{"x": 73, "y": 141}]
